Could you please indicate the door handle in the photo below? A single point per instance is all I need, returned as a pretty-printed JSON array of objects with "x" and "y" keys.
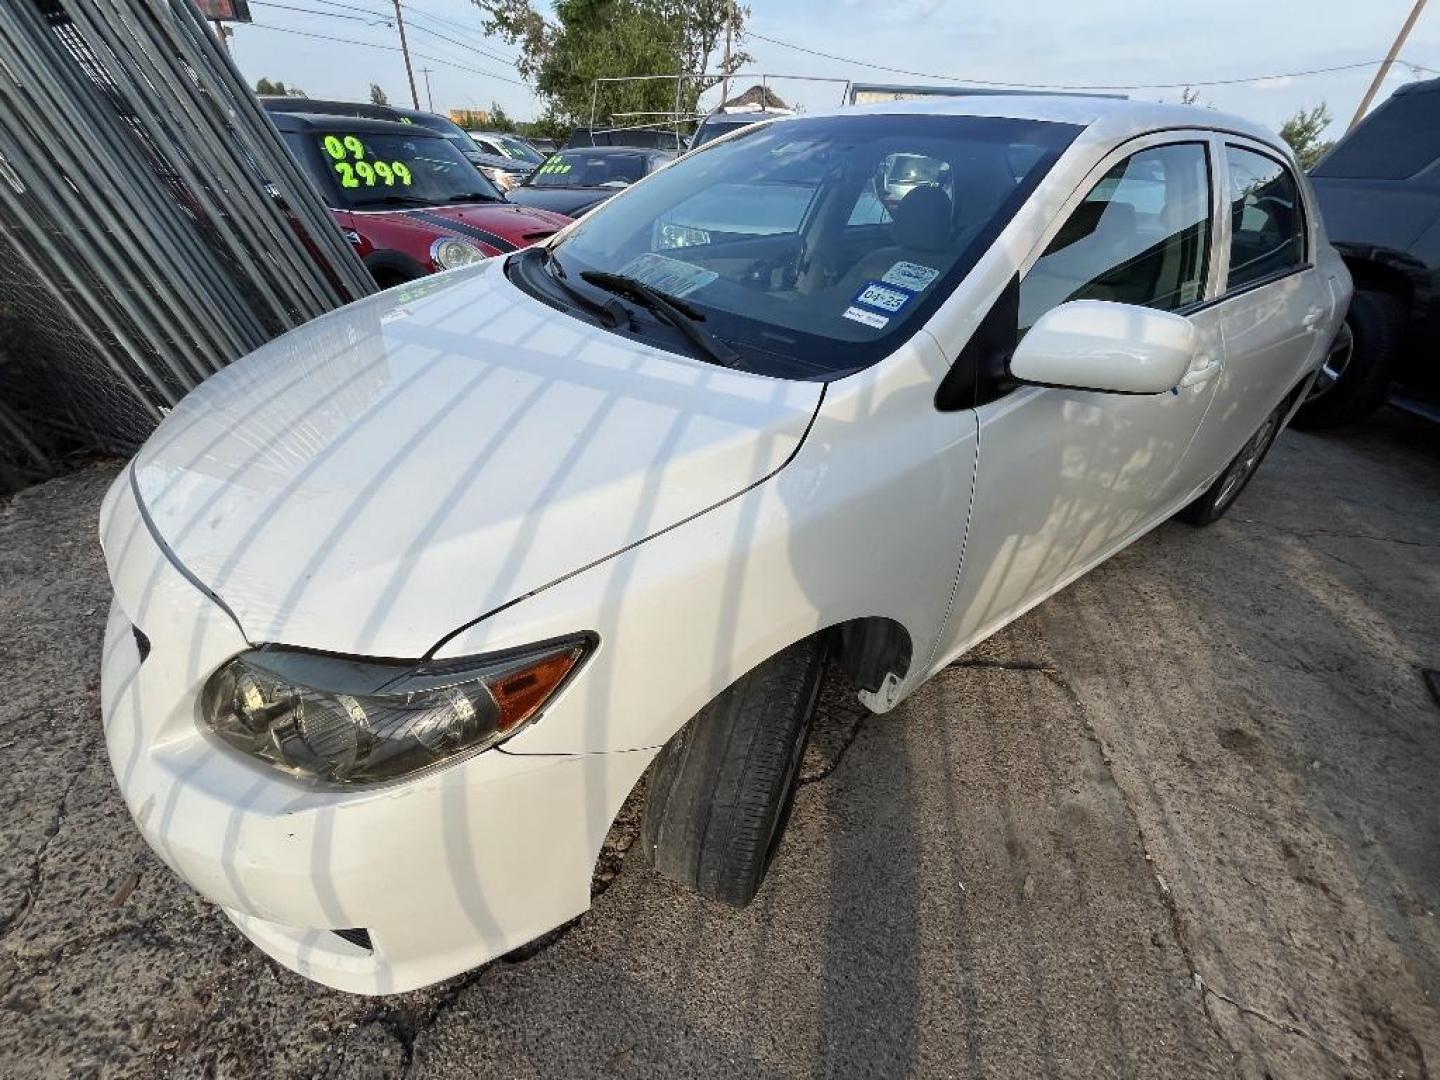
[{"x": 1202, "y": 374}]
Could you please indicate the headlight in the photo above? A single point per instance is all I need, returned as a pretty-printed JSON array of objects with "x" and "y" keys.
[
  {"x": 451, "y": 254},
  {"x": 501, "y": 178},
  {"x": 347, "y": 722}
]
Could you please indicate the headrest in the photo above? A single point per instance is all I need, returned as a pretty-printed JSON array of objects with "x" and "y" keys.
[{"x": 922, "y": 220}]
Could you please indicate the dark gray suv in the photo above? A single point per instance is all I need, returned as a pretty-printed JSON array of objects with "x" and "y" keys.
[{"x": 1379, "y": 190}]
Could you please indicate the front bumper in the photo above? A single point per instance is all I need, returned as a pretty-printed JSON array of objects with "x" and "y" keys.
[{"x": 443, "y": 872}]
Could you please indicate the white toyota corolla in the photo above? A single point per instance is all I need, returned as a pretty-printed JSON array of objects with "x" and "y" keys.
[{"x": 407, "y": 601}]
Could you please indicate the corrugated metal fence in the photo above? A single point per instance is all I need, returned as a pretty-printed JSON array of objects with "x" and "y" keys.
[{"x": 153, "y": 226}]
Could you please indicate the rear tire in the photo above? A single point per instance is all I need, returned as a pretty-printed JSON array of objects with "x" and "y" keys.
[
  {"x": 1221, "y": 495},
  {"x": 1349, "y": 387},
  {"x": 721, "y": 790}
]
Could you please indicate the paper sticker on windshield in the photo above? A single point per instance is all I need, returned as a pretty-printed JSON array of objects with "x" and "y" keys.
[
  {"x": 670, "y": 276},
  {"x": 869, "y": 318},
  {"x": 910, "y": 276},
  {"x": 882, "y": 298}
]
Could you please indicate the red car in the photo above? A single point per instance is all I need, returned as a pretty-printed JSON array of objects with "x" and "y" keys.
[{"x": 406, "y": 199}]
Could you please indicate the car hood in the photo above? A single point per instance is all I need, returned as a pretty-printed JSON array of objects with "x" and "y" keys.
[
  {"x": 394, "y": 470},
  {"x": 515, "y": 225},
  {"x": 571, "y": 201}
]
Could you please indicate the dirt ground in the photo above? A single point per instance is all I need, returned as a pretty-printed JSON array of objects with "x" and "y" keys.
[{"x": 1180, "y": 821}]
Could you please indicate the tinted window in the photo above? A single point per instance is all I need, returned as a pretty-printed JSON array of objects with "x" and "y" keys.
[
  {"x": 815, "y": 246},
  {"x": 363, "y": 169},
  {"x": 1142, "y": 236},
  {"x": 1394, "y": 142},
  {"x": 578, "y": 168},
  {"x": 1266, "y": 220}
]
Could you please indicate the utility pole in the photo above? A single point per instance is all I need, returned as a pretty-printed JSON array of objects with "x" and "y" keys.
[
  {"x": 725, "y": 65},
  {"x": 405, "y": 49},
  {"x": 429, "y": 97},
  {"x": 1385, "y": 67}
]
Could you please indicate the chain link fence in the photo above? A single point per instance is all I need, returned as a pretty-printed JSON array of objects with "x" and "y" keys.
[{"x": 153, "y": 227}]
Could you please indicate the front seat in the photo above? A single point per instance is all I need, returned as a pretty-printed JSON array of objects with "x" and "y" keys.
[{"x": 922, "y": 224}]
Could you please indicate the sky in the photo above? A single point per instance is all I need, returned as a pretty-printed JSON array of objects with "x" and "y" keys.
[{"x": 1263, "y": 46}]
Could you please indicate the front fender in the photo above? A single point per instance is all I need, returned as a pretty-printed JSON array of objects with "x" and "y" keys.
[{"x": 867, "y": 519}]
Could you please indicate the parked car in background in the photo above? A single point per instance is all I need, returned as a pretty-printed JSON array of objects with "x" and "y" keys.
[
  {"x": 723, "y": 121},
  {"x": 502, "y": 171},
  {"x": 512, "y": 147},
  {"x": 404, "y": 196},
  {"x": 1379, "y": 191},
  {"x": 574, "y": 182},
  {"x": 652, "y": 138}
]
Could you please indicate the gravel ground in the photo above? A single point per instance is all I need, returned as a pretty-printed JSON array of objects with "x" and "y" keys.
[{"x": 1179, "y": 821}]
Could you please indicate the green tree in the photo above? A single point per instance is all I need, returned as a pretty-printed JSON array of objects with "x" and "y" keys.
[
  {"x": 1305, "y": 133},
  {"x": 377, "y": 95},
  {"x": 276, "y": 88},
  {"x": 500, "y": 119},
  {"x": 591, "y": 39}
]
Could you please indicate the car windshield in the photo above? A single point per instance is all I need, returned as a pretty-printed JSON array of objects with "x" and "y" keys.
[
  {"x": 520, "y": 150},
  {"x": 364, "y": 170},
  {"x": 814, "y": 246},
  {"x": 586, "y": 168}
]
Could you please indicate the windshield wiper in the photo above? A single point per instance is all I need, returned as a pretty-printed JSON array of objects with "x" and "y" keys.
[
  {"x": 671, "y": 309},
  {"x": 475, "y": 196},
  {"x": 609, "y": 314}
]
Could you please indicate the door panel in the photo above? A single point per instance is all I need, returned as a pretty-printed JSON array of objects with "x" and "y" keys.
[
  {"x": 1274, "y": 317},
  {"x": 1064, "y": 477}
]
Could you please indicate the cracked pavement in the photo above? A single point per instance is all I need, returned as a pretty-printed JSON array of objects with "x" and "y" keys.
[{"x": 1179, "y": 821}]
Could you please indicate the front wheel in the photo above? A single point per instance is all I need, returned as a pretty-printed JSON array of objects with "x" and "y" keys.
[
  {"x": 1357, "y": 370},
  {"x": 721, "y": 790},
  {"x": 1221, "y": 495}
]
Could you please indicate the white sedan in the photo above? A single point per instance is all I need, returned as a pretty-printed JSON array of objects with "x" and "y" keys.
[{"x": 407, "y": 601}]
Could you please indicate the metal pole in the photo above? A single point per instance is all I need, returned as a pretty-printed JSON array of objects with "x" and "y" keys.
[
  {"x": 1385, "y": 67},
  {"x": 405, "y": 51},
  {"x": 429, "y": 97},
  {"x": 725, "y": 65}
]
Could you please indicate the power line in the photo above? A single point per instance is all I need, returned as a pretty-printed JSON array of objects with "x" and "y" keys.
[
  {"x": 435, "y": 34},
  {"x": 389, "y": 48},
  {"x": 1063, "y": 86},
  {"x": 374, "y": 20},
  {"x": 453, "y": 24}
]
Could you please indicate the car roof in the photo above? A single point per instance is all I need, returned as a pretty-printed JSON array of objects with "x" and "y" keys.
[
  {"x": 1108, "y": 116},
  {"x": 1428, "y": 86},
  {"x": 746, "y": 116},
  {"x": 290, "y": 121}
]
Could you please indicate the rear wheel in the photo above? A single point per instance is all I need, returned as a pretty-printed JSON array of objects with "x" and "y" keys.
[
  {"x": 1221, "y": 495},
  {"x": 1356, "y": 373},
  {"x": 721, "y": 790}
]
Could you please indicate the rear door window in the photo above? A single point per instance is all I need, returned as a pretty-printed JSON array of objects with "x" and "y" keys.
[{"x": 1267, "y": 218}]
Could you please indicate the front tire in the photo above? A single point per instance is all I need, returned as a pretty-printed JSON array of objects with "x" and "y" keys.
[
  {"x": 721, "y": 790},
  {"x": 1353, "y": 380}
]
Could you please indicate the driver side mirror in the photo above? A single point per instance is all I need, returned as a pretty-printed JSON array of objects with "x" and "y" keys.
[{"x": 1112, "y": 348}]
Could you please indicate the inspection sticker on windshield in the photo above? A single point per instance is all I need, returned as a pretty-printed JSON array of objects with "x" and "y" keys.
[
  {"x": 670, "y": 276},
  {"x": 910, "y": 276},
  {"x": 882, "y": 298},
  {"x": 869, "y": 318}
]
